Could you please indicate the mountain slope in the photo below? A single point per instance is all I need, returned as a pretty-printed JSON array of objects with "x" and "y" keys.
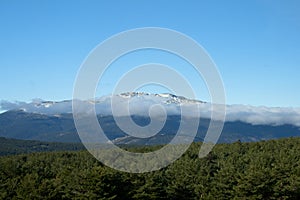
[{"x": 33, "y": 126}]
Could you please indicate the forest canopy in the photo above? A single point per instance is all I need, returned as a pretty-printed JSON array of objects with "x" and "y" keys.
[{"x": 260, "y": 170}]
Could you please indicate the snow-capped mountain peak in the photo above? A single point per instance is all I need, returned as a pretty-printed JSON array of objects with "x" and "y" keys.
[{"x": 166, "y": 98}]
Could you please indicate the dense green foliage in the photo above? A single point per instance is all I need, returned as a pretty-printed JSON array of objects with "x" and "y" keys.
[
  {"x": 14, "y": 146},
  {"x": 261, "y": 170}
]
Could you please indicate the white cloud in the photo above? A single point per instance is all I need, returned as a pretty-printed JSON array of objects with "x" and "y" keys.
[{"x": 140, "y": 105}]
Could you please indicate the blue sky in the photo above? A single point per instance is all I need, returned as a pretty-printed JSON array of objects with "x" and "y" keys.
[{"x": 255, "y": 44}]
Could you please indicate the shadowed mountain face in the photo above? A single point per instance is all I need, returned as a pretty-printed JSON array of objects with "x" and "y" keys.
[
  {"x": 33, "y": 126},
  {"x": 60, "y": 128}
]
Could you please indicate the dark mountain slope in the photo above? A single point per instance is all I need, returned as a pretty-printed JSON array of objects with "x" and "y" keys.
[{"x": 61, "y": 128}]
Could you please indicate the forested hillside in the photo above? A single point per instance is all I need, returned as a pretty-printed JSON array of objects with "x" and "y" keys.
[
  {"x": 10, "y": 146},
  {"x": 261, "y": 170}
]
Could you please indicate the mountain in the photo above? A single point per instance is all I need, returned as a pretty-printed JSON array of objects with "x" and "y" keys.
[
  {"x": 53, "y": 121},
  {"x": 34, "y": 126}
]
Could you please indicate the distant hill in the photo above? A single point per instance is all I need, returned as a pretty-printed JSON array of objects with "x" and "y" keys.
[
  {"x": 52, "y": 121},
  {"x": 15, "y": 146},
  {"x": 60, "y": 128},
  {"x": 33, "y": 126}
]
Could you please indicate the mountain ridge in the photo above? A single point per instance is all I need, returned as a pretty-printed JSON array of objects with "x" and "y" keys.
[
  {"x": 52, "y": 121},
  {"x": 33, "y": 126},
  {"x": 140, "y": 103}
]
